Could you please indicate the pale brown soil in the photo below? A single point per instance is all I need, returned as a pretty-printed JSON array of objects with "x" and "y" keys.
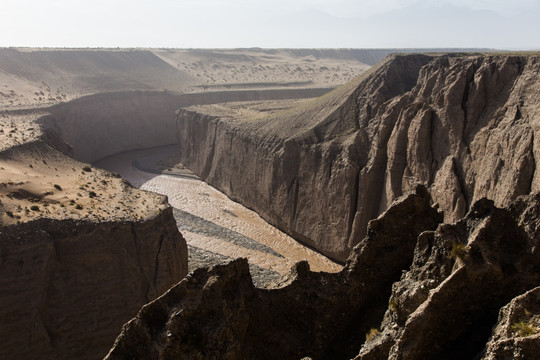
[
  {"x": 249, "y": 68},
  {"x": 43, "y": 77},
  {"x": 17, "y": 129},
  {"x": 37, "y": 182}
]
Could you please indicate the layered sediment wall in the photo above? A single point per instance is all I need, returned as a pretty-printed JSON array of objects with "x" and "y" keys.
[
  {"x": 69, "y": 286},
  {"x": 464, "y": 126}
]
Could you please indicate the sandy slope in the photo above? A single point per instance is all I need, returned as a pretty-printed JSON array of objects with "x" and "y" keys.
[
  {"x": 266, "y": 68},
  {"x": 37, "y": 77},
  {"x": 18, "y": 128},
  {"x": 38, "y": 181}
]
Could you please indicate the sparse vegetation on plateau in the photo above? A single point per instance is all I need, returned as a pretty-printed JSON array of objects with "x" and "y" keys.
[
  {"x": 523, "y": 328},
  {"x": 393, "y": 305}
]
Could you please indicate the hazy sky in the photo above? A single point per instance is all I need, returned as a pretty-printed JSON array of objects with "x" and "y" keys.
[{"x": 510, "y": 24}]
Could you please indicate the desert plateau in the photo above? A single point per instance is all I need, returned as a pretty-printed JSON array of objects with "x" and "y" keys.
[{"x": 258, "y": 203}]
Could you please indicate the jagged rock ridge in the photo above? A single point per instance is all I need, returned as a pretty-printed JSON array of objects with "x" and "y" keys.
[
  {"x": 218, "y": 313},
  {"x": 440, "y": 291},
  {"x": 462, "y": 125},
  {"x": 446, "y": 305}
]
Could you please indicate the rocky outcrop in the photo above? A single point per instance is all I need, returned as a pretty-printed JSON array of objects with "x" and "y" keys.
[
  {"x": 461, "y": 275},
  {"x": 68, "y": 286},
  {"x": 440, "y": 291},
  {"x": 464, "y": 126},
  {"x": 517, "y": 334},
  {"x": 218, "y": 313},
  {"x": 80, "y": 252}
]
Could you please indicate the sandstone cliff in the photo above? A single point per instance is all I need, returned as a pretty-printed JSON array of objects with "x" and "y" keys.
[
  {"x": 68, "y": 286},
  {"x": 440, "y": 288},
  {"x": 462, "y": 125}
]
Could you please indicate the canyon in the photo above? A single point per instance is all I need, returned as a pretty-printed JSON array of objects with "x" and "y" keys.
[
  {"x": 464, "y": 126},
  {"x": 413, "y": 288},
  {"x": 388, "y": 174}
]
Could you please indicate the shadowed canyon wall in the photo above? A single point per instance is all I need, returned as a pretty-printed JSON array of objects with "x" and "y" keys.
[
  {"x": 104, "y": 124},
  {"x": 464, "y": 126}
]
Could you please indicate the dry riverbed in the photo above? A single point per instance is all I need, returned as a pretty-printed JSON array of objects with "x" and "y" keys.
[{"x": 216, "y": 228}]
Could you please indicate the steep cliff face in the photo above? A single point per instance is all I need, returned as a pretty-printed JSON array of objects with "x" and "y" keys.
[
  {"x": 439, "y": 286},
  {"x": 68, "y": 286},
  {"x": 464, "y": 126}
]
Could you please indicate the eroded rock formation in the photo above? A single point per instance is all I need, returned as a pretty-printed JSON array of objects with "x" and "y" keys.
[
  {"x": 440, "y": 291},
  {"x": 445, "y": 306},
  {"x": 517, "y": 334},
  {"x": 462, "y": 125}
]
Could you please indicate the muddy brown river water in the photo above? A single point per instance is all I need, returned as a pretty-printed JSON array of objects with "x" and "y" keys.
[{"x": 216, "y": 228}]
